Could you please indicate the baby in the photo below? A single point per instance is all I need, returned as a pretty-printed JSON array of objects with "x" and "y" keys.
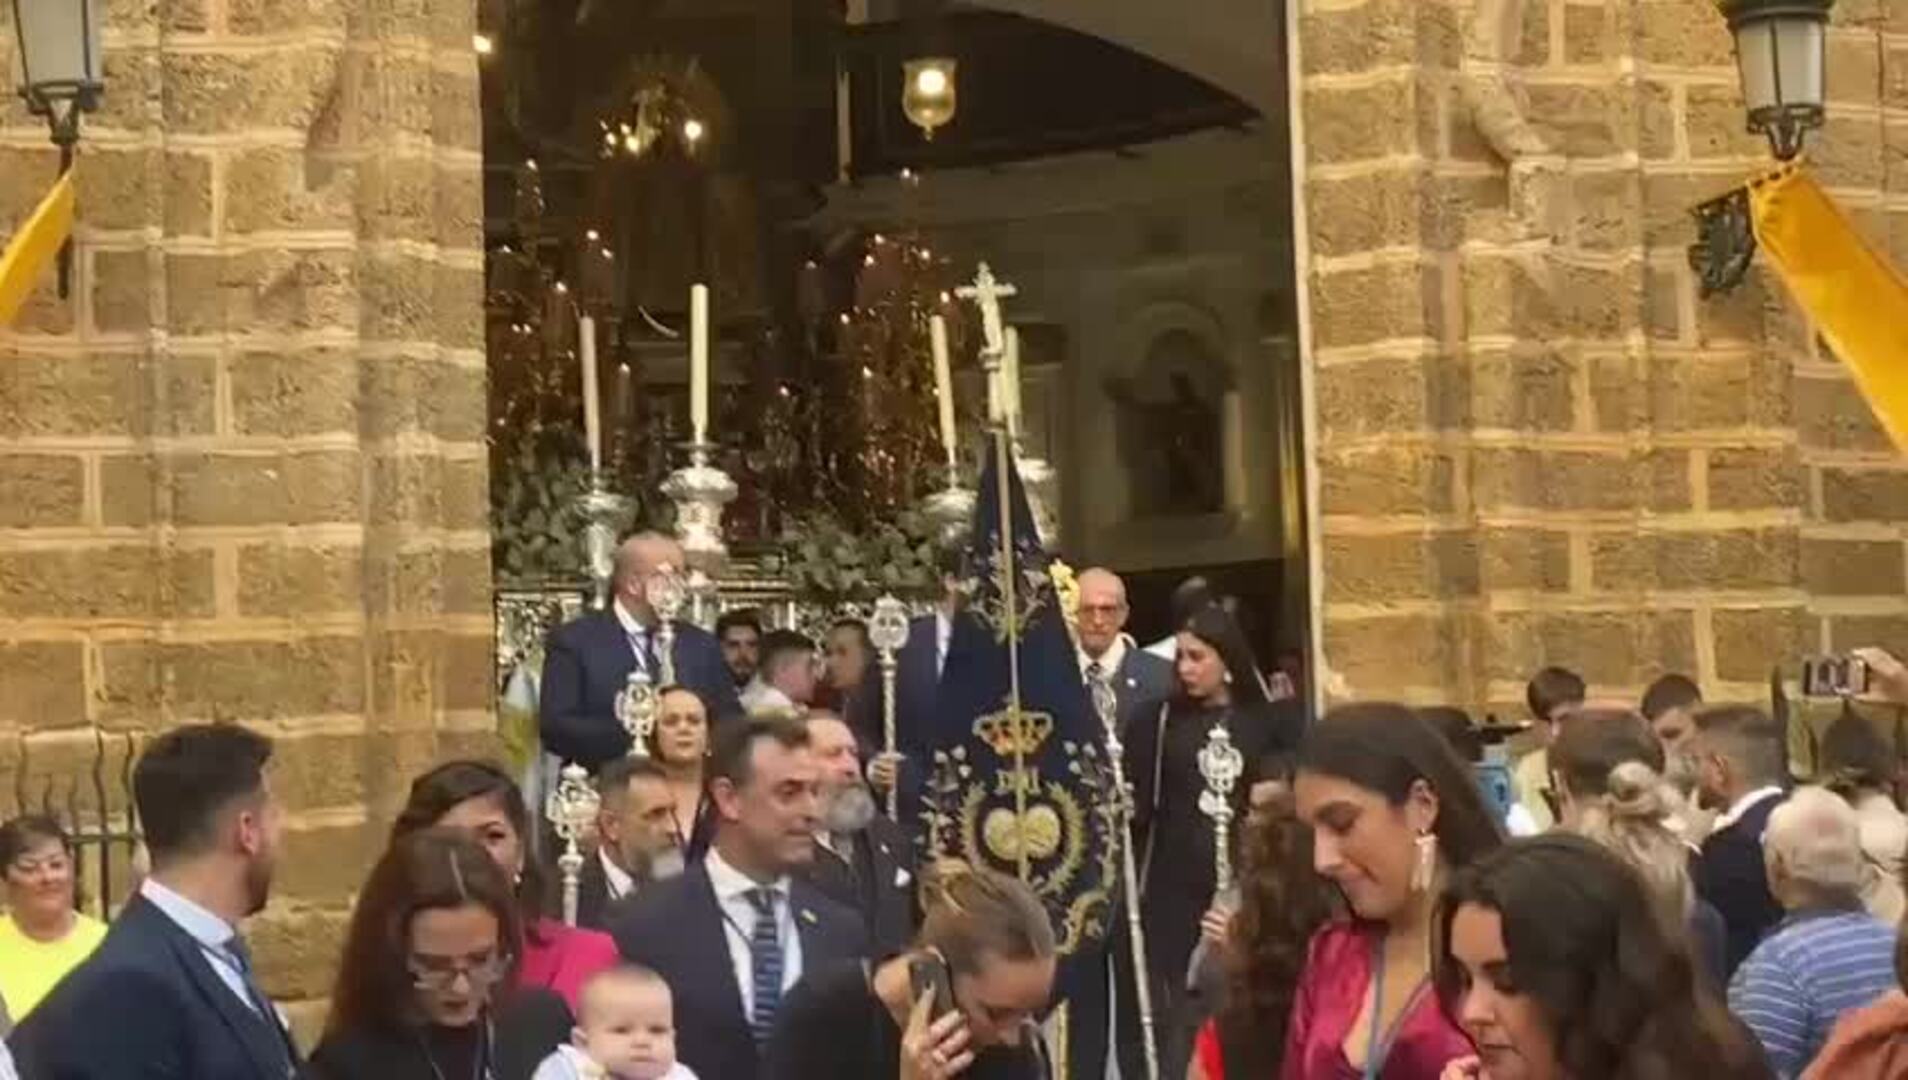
[{"x": 625, "y": 1030}]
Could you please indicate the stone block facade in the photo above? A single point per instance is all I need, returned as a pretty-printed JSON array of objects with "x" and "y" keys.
[
  {"x": 242, "y": 471},
  {"x": 1536, "y": 444}
]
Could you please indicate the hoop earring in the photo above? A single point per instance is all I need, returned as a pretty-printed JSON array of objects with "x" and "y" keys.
[{"x": 1425, "y": 867}]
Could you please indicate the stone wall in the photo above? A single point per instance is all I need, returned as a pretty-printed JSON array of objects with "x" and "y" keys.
[
  {"x": 1537, "y": 445},
  {"x": 241, "y": 470}
]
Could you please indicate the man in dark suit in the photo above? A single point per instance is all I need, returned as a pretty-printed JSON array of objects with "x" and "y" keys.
[
  {"x": 589, "y": 660},
  {"x": 1740, "y": 772},
  {"x": 863, "y": 860},
  {"x": 170, "y": 992},
  {"x": 636, "y": 838},
  {"x": 732, "y": 935}
]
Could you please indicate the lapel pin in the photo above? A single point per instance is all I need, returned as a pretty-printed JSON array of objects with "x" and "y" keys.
[{"x": 809, "y": 917}]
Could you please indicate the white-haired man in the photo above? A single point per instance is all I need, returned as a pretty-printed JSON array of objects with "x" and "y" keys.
[{"x": 1827, "y": 955}]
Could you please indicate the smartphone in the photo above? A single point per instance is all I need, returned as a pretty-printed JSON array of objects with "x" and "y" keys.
[
  {"x": 928, "y": 975},
  {"x": 1834, "y": 676}
]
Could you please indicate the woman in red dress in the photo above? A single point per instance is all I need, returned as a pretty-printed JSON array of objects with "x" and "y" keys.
[{"x": 1392, "y": 812}]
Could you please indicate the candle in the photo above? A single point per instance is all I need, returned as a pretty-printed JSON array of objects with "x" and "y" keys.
[
  {"x": 699, "y": 361},
  {"x": 1010, "y": 382},
  {"x": 944, "y": 388},
  {"x": 592, "y": 405}
]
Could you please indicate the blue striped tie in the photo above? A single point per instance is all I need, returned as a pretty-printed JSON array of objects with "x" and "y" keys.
[{"x": 765, "y": 960}]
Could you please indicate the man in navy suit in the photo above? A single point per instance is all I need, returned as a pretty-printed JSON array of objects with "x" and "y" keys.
[
  {"x": 170, "y": 993},
  {"x": 1740, "y": 772},
  {"x": 589, "y": 660},
  {"x": 734, "y": 933}
]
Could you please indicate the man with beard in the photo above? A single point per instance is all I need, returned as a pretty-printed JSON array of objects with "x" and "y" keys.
[
  {"x": 862, "y": 859},
  {"x": 636, "y": 839},
  {"x": 173, "y": 980}
]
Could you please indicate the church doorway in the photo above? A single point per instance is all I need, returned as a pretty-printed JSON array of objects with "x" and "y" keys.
[{"x": 1127, "y": 173}]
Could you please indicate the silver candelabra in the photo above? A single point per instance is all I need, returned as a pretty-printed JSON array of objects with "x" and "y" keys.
[
  {"x": 1221, "y": 764},
  {"x": 700, "y": 490},
  {"x": 1107, "y": 704},
  {"x": 571, "y": 809},
  {"x": 604, "y": 510},
  {"x": 888, "y": 632}
]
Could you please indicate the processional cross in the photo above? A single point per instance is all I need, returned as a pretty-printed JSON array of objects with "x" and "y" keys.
[{"x": 987, "y": 292}]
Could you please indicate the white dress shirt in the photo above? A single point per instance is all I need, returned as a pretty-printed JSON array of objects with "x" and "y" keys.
[
  {"x": 732, "y": 888},
  {"x": 213, "y": 934},
  {"x": 635, "y": 631},
  {"x": 617, "y": 878},
  {"x": 1741, "y": 806},
  {"x": 1110, "y": 660},
  {"x": 943, "y": 637}
]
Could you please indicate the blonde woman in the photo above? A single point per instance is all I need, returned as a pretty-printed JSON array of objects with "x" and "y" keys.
[{"x": 1607, "y": 769}]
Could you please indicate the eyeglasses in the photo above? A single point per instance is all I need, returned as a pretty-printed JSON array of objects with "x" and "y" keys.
[{"x": 442, "y": 973}]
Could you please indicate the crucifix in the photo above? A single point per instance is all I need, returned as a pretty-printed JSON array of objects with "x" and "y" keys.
[{"x": 987, "y": 293}]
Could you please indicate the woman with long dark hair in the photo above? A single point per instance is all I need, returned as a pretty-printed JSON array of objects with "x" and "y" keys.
[
  {"x": 423, "y": 989},
  {"x": 481, "y": 799},
  {"x": 1218, "y": 686},
  {"x": 1554, "y": 957},
  {"x": 1282, "y": 903},
  {"x": 680, "y": 744},
  {"x": 1393, "y": 813}
]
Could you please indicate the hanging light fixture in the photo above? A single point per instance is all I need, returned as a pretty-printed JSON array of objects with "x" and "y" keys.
[
  {"x": 928, "y": 95},
  {"x": 1781, "y": 49},
  {"x": 60, "y": 63}
]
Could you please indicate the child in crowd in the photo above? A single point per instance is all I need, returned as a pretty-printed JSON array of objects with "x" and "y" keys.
[{"x": 625, "y": 1030}]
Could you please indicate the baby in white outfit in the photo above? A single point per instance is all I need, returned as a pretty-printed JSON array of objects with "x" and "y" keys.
[{"x": 625, "y": 1030}]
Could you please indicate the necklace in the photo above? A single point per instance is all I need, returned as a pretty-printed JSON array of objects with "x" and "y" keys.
[{"x": 480, "y": 1069}]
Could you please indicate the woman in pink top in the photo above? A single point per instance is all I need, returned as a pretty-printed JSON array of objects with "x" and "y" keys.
[
  {"x": 482, "y": 799},
  {"x": 1392, "y": 812}
]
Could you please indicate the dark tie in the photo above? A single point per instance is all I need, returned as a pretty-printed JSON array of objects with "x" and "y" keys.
[
  {"x": 639, "y": 644},
  {"x": 1095, "y": 673},
  {"x": 765, "y": 958},
  {"x": 242, "y": 960}
]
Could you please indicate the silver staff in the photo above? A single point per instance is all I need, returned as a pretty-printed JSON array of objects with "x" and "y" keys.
[
  {"x": 666, "y": 595},
  {"x": 571, "y": 808},
  {"x": 1221, "y": 764},
  {"x": 888, "y": 632},
  {"x": 636, "y": 710},
  {"x": 1107, "y": 705}
]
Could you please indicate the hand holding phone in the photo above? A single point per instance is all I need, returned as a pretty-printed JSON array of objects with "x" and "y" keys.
[{"x": 934, "y": 1045}]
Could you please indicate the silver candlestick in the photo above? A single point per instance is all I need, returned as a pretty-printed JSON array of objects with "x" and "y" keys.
[
  {"x": 666, "y": 594},
  {"x": 700, "y": 490},
  {"x": 636, "y": 706},
  {"x": 951, "y": 509},
  {"x": 571, "y": 808},
  {"x": 1221, "y": 764},
  {"x": 888, "y": 632},
  {"x": 604, "y": 510},
  {"x": 1106, "y": 704}
]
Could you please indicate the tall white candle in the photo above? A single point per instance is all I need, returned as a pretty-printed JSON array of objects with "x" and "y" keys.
[
  {"x": 1010, "y": 382},
  {"x": 699, "y": 361},
  {"x": 944, "y": 388},
  {"x": 592, "y": 400}
]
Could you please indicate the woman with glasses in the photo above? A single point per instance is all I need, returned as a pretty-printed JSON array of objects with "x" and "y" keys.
[
  {"x": 43, "y": 936},
  {"x": 422, "y": 993},
  {"x": 483, "y": 801}
]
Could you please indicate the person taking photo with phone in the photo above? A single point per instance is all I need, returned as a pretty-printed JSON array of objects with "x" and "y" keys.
[{"x": 965, "y": 1001}]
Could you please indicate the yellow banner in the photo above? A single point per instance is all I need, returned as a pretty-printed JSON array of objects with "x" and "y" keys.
[
  {"x": 1853, "y": 294},
  {"x": 37, "y": 241}
]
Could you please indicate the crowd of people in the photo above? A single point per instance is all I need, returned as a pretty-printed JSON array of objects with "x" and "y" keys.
[{"x": 748, "y": 910}]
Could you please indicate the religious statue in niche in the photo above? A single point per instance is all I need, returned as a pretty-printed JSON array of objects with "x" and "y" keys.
[{"x": 1170, "y": 424}]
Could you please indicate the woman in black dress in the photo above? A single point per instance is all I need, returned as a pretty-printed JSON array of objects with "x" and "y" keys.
[
  {"x": 993, "y": 936},
  {"x": 432, "y": 945},
  {"x": 1218, "y": 683}
]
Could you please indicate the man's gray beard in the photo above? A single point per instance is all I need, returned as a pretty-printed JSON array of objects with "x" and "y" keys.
[
  {"x": 666, "y": 864},
  {"x": 849, "y": 811}
]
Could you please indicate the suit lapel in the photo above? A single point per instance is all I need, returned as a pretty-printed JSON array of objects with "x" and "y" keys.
[
  {"x": 820, "y": 944},
  {"x": 264, "y": 1040},
  {"x": 708, "y": 913}
]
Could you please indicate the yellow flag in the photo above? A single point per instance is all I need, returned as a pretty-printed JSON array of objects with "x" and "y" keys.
[
  {"x": 37, "y": 241},
  {"x": 1854, "y": 295}
]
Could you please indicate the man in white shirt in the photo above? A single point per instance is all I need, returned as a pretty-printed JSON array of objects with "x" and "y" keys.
[
  {"x": 785, "y": 682},
  {"x": 173, "y": 979},
  {"x": 1140, "y": 681},
  {"x": 742, "y": 903},
  {"x": 1740, "y": 769}
]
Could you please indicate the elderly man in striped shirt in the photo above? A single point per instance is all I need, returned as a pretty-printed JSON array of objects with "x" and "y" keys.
[{"x": 1828, "y": 955}]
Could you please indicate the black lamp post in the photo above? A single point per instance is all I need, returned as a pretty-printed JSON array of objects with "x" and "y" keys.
[
  {"x": 1782, "y": 57},
  {"x": 60, "y": 74}
]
